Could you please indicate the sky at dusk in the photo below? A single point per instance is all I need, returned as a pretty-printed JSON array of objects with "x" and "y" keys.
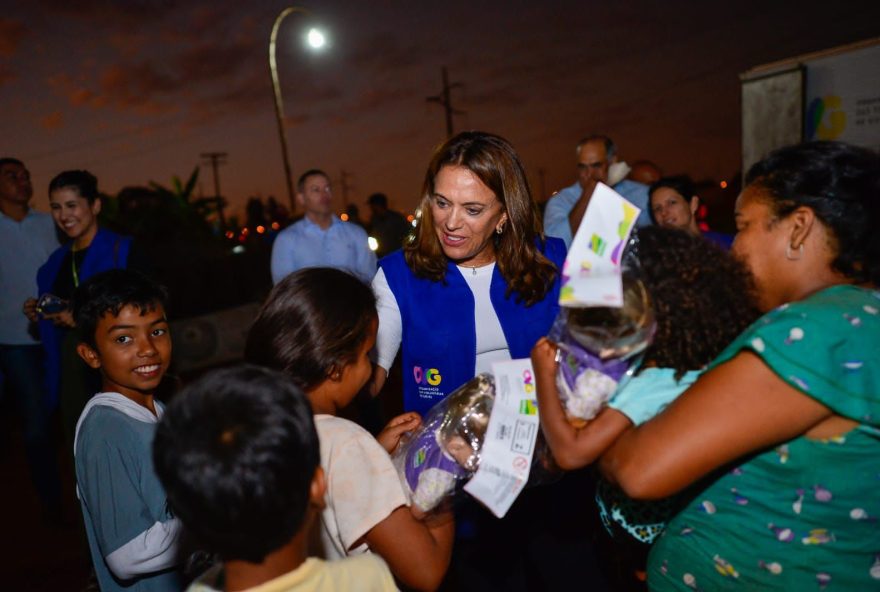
[{"x": 135, "y": 90}]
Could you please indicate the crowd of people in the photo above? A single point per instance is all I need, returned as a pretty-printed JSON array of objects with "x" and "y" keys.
[{"x": 742, "y": 454}]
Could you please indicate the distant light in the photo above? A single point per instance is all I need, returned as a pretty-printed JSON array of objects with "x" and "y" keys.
[
  {"x": 230, "y": 234},
  {"x": 244, "y": 231},
  {"x": 261, "y": 229},
  {"x": 238, "y": 249},
  {"x": 723, "y": 184},
  {"x": 415, "y": 222},
  {"x": 275, "y": 225},
  {"x": 372, "y": 243},
  {"x": 410, "y": 218},
  {"x": 344, "y": 217},
  {"x": 316, "y": 39}
]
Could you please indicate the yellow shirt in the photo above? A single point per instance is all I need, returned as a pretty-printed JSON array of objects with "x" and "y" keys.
[{"x": 362, "y": 573}]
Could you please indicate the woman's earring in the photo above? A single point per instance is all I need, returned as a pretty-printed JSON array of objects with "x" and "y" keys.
[
  {"x": 791, "y": 255},
  {"x": 499, "y": 229}
]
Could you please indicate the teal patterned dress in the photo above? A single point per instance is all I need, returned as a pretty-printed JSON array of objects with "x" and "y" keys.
[{"x": 804, "y": 515}]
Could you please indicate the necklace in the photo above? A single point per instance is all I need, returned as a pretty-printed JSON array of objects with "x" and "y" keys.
[
  {"x": 73, "y": 268},
  {"x": 474, "y": 269}
]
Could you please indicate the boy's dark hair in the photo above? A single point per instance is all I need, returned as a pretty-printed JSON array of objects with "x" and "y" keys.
[
  {"x": 109, "y": 292},
  {"x": 236, "y": 452},
  {"x": 312, "y": 325},
  {"x": 9, "y": 160},
  {"x": 83, "y": 182},
  {"x": 703, "y": 297}
]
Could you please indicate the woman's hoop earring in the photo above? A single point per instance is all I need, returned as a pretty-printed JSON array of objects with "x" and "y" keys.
[
  {"x": 499, "y": 229},
  {"x": 790, "y": 254}
]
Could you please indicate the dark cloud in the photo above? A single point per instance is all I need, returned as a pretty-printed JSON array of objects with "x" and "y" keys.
[
  {"x": 11, "y": 34},
  {"x": 6, "y": 75},
  {"x": 385, "y": 53},
  {"x": 52, "y": 121}
]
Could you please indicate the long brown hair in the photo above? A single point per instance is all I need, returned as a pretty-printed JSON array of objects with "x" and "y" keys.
[{"x": 527, "y": 272}]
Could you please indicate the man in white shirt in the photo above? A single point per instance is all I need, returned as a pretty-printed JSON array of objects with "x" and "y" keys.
[
  {"x": 320, "y": 238},
  {"x": 27, "y": 238},
  {"x": 596, "y": 157}
]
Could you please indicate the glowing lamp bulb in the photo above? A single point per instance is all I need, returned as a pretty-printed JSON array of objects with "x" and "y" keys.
[
  {"x": 316, "y": 39},
  {"x": 372, "y": 243}
]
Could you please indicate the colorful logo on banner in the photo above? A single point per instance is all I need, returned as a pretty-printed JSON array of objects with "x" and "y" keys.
[
  {"x": 431, "y": 376},
  {"x": 826, "y": 120}
]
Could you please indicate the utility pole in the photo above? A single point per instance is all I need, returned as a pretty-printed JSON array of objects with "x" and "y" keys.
[
  {"x": 344, "y": 176},
  {"x": 445, "y": 100},
  {"x": 216, "y": 159}
]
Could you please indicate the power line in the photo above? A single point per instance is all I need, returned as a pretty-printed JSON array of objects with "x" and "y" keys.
[
  {"x": 445, "y": 100},
  {"x": 215, "y": 159}
]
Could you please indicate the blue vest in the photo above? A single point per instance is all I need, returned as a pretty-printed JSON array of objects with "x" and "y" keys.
[
  {"x": 107, "y": 251},
  {"x": 439, "y": 344}
]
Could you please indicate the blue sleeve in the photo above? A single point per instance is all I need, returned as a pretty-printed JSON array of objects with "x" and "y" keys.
[
  {"x": 647, "y": 394},
  {"x": 365, "y": 266},
  {"x": 116, "y": 482},
  {"x": 282, "y": 257}
]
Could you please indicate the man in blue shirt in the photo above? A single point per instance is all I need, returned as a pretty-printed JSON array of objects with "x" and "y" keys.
[
  {"x": 565, "y": 210},
  {"x": 27, "y": 238},
  {"x": 320, "y": 238}
]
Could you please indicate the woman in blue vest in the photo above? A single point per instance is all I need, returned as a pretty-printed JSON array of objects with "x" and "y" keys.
[
  {"x": 478, "y": 283},
  {"x": 75, "y": 205}
]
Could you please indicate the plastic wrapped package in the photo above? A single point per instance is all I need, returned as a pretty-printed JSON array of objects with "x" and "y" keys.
[
  {"x": 599, "y": 347},
  {"x": 445, "y": 450}
]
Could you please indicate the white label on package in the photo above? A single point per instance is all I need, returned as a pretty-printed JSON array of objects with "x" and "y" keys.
[
  {"x": 591, "y": 273},
  {"x": 506, "y": 456}
]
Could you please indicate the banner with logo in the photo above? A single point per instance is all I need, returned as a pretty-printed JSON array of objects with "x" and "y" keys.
[{"x": 843, "y": 97}]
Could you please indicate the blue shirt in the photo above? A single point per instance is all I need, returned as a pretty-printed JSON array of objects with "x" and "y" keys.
[
  {"x": 560, "y": 206},
  {"x": 24, "y": 247},
  {"x": 305, "y": 244},
  {"x": 120, "y": 495}
]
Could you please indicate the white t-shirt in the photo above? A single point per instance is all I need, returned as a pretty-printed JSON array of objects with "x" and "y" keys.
[
  {"x": 363, "y": 487},
  {"x": 491, "y": 343}
]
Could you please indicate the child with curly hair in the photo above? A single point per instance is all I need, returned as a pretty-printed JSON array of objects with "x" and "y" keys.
[{"x": 703, "y": 299}]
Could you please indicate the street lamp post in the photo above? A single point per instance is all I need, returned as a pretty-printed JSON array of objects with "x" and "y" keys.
[{"x": 316, "y": 40}]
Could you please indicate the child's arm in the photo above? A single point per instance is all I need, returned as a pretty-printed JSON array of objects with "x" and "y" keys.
[
  {"x": 417, "y": 552},
  {"x": 572, "y": 448},
  {"x": 390, "y": 435},
  {"x": 151, "y": 551},
  {"x": 125, "y": 502}
]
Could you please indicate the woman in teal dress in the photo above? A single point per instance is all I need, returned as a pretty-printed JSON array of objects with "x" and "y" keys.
[{"x": 777, "y": 445}]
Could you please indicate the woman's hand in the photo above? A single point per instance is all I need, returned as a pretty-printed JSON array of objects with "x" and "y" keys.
[
  {"x": 30, "y": 310},
  {"x": 390, "y": 435}
]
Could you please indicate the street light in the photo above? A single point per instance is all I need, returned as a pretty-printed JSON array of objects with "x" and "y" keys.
[{"x": 315, "y": 40}]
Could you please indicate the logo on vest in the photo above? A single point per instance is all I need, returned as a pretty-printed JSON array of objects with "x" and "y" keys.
[{"x": 431, "y": 376}]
